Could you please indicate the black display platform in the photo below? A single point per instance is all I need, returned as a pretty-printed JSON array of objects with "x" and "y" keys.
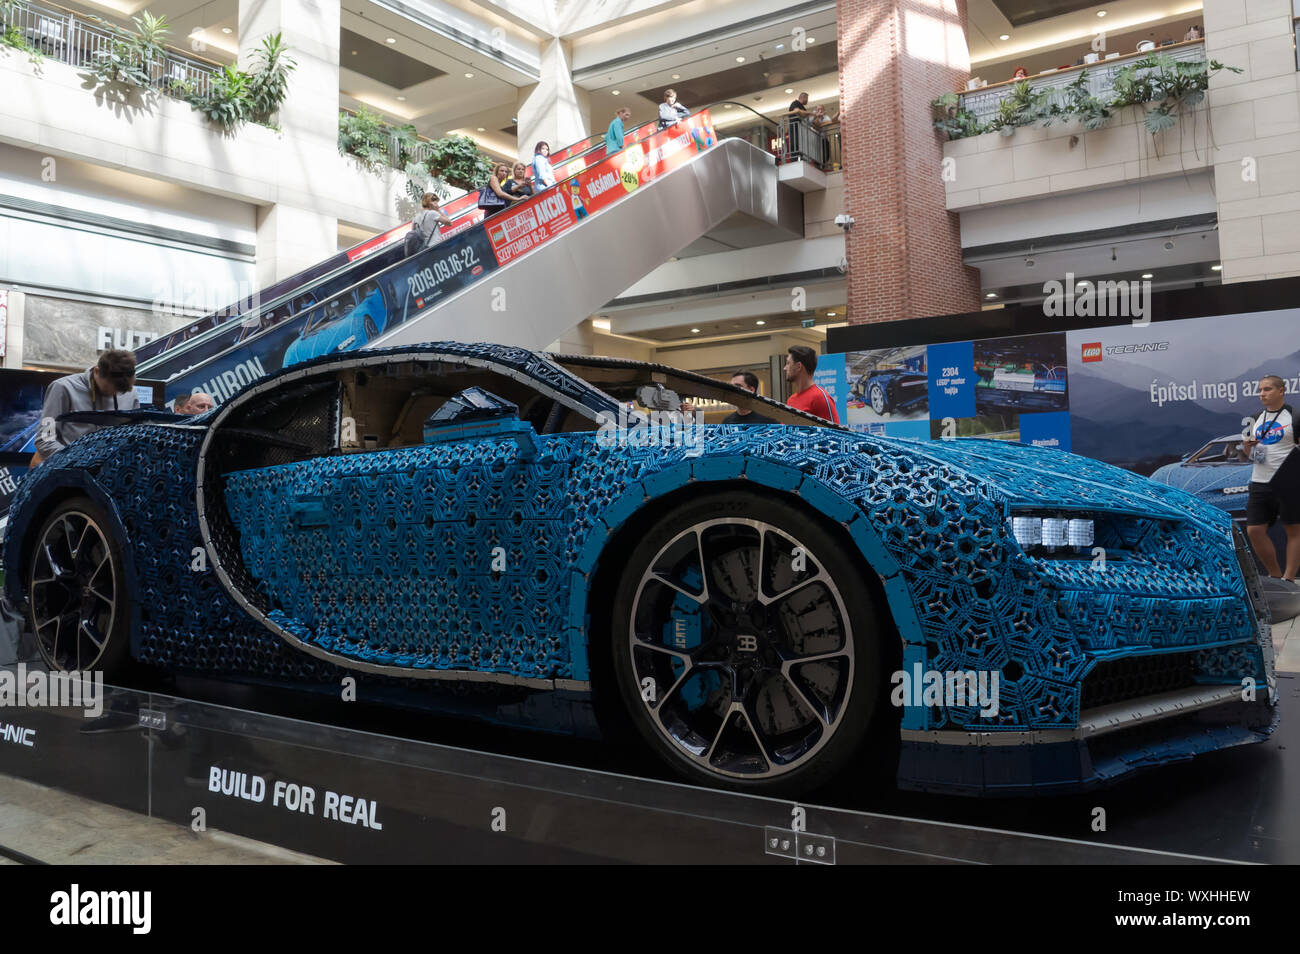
[{"x": 380, "y": 798}]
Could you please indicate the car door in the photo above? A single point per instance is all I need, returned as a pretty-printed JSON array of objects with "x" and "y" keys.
[{"x": 443, "y": 555}]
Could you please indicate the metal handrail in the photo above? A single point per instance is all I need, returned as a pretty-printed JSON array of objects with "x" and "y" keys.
[{"x": 71, "y": 38}]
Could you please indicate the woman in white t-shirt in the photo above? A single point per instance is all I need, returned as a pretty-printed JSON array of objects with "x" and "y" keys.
[{"x": 1271, "y": 440}]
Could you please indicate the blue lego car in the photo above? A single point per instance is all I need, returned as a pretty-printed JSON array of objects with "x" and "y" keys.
[
  {"x": 1217, "y": 474},
  {"x": 892, "y": 389},
  {"x": 542, "y": 540},
  {"x": 346, "y": 323}
]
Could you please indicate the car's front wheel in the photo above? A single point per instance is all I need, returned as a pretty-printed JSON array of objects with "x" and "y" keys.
[
  {"x": 746, "y": 646},
  {"x": 76, "y": 590}
]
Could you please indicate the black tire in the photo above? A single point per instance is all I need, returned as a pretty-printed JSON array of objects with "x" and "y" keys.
[
  {"x": 778, "y": 726},
  {"x": 75, "y": 579}
]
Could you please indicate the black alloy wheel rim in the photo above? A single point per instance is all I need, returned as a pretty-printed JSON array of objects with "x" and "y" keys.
[
  {"x": 73, "y": 593},
  {"x": 741, "y": 649}
]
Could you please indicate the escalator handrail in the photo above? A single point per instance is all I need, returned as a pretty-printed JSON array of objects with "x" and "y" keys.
[{"x": 186, "y": 345}]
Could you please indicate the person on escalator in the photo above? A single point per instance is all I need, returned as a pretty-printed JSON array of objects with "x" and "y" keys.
[
  {"x": 425, "y": 227},
  {"x": 518, "y": 183},
  {"x": 616, "y": 133},
  {"x": 493, "y": 197},
  {"x": 671, "y": 111},
  {"x": 543, "y": 174}
]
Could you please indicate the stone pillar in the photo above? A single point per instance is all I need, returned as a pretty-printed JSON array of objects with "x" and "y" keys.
[
  {"x": 1255, "y": 115},
  {"x": 554, "y": 109},
  {"x": 291, "y": 234},
  {"x": 904, "y": 250}
]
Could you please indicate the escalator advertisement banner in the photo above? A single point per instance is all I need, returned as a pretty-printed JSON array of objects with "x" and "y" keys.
[
  {"x": 540, "y": 219},
  {"x": 349, "y": 321},
  {"x": 354, "y": 311}
]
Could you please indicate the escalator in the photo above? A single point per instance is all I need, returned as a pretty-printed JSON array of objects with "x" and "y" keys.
[{"x": 524, "y": 277}]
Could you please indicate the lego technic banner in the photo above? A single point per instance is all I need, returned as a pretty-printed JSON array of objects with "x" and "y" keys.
[{"x": 1168, "y": 400}]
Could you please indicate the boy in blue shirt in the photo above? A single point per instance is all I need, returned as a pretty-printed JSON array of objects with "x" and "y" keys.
[{"x": 616, "y": 133}]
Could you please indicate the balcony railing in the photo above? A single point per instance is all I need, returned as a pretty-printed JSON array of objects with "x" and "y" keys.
[
  {"x": 800, "y": 139},
  {"x": 69, "y": 38},
  {"x": 984, "y": 102}
]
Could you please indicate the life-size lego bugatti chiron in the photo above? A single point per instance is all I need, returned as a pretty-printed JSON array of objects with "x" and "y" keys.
[{"x": 501, "y": 532}]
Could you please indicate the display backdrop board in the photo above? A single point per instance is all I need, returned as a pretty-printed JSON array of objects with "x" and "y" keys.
[{"x": 1169, "y": 397}]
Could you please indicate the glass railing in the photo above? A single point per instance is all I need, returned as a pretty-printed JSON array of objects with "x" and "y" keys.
[
  {"x": 984, "y": 102},
  {"x": 83, "y": 41}
]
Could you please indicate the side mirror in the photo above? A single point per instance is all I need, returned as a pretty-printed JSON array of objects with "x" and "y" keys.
[
  {"x": 656, "y": 397},
  {"x": 474, "y": 413}
]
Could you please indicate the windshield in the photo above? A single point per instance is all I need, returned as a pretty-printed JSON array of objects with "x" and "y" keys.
[{"x": 626, "y": 381}]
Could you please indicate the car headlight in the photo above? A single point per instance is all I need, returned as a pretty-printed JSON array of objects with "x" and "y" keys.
[{"x": 1052, "y": 532}]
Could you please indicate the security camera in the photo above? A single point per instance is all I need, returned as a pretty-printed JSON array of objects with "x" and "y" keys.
[{"x": 844, "y": 221}]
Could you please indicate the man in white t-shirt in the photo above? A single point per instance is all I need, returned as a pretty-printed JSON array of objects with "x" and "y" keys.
[{"x": 1271, "y": 439}]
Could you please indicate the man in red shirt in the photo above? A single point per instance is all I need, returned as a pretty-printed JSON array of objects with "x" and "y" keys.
[{"x": 800, "y": 363}]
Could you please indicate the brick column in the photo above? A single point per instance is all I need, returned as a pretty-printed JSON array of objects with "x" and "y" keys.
[{"x": 904, "y": 252}]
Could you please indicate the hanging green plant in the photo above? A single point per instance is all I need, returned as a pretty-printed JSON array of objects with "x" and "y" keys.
[
  {"x": 132, "y": 61},
  {"x": 1157, "y": 79},
  {"x": 364, "y": 136},
  {"x": 268, "y": 83},
  {"x": 226, "y": 102},
  {"x": 457, "y": 161}
]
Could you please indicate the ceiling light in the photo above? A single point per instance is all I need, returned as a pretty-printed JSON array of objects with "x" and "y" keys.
[
  {"x": 830, "y": 314},
  {"x": 789, "y": 89},
  {"x": 1005, "y": 36},
  {"x": 811, "y": 39},
  {"x": 354, "y": 52},
  {"x": 480, "y": 129},
  {"x": 600, "y": 324},
  {"x": 1101, "y": 13},
  {"x": 726, "y": 105},
  {"x": 401, "y": 99},
  {"x": 227, "y": 30},
  {"x": 1147, "y": 275},
  {"x": 390, "y": 39},
  {"x": 677, "y": 76},
  {"x": 991, "y": 295},
  {"x": 1216, "y": 268},
  {"x": 695, "y": 331},
  {"x": 614, "y": 92},
  {"x": 740, "y": 59},
  {"x": 760, "y": 322},
  {"x": 780, "y": 46},
  {"x": 469, "y": 76}
]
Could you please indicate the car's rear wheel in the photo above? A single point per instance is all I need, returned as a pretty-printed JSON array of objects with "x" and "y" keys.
[
  {"x": 746, "y": 647},
  {"x": 879, "y": 403},
  {"x": 76, "y": 591}
]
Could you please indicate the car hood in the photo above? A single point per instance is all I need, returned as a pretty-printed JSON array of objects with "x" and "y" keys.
[{"x": 1026, "y": 476}]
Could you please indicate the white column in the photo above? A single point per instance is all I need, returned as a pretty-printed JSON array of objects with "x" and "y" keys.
[
  {"x": 1256, "y": 122},
  {"x": 554, "y": 110},
  {"x": 291, "y": 234},
  {"x": 14, "y": 329}
]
